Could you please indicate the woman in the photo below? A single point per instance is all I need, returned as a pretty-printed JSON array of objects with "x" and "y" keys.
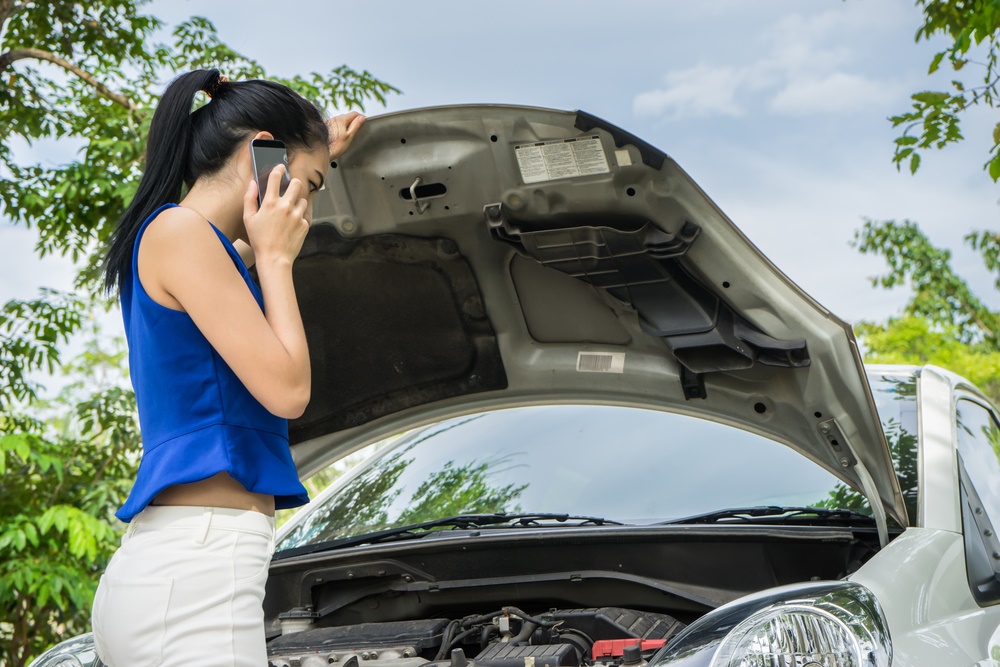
[{"x": 218, "y": 365}]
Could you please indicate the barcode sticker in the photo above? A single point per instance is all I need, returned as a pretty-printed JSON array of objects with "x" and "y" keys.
[{"x": 600, "y": 362}]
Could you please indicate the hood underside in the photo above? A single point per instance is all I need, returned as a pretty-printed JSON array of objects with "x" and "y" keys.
[{"x": 468, "y": 258}]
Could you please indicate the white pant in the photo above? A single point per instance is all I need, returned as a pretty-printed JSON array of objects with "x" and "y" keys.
[{"x": 186, "y": 587}]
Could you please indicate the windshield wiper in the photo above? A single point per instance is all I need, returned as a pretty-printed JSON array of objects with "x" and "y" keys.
[
  {"x": 458, "y": 522},
  {"x": 771, "y": 514}
]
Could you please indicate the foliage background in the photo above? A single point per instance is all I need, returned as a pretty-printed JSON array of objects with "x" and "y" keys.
[{"x": 87, "y": 72}]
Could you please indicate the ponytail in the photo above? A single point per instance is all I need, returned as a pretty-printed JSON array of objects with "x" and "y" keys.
[{"x": 184, "y": 145}]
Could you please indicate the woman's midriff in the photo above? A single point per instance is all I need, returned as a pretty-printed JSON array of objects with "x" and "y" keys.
[{"x": 220, "y": 490}]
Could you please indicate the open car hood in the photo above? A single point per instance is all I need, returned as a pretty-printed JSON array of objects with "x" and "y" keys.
[{"x": 466, "y": 258}]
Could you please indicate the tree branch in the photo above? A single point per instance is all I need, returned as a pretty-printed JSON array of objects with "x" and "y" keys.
[{"x": 12, "y": 56}]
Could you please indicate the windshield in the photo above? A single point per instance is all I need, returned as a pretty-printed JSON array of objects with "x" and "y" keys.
[{"x": 625, "y": 464}]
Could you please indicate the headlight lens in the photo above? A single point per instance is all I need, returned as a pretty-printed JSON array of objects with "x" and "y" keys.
[
  {"x": 842, "y": 629},
  {"x": 64, "y": 661},
  {"x": 75, "y": 652}
]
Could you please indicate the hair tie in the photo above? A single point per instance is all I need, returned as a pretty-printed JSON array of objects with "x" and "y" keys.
[{"x": 213, "y": 87}]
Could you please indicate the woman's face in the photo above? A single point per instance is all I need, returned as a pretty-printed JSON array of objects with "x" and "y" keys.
[{"x": 310, "y": 168}]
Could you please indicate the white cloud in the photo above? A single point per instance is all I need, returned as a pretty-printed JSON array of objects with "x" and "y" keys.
[
  {"x": 836, "y": 93},
  {"x": 802, "y": 67},
  {"x": 698, "y": 91}
]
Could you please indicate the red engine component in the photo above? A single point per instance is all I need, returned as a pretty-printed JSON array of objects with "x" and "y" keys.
[{"x": 615, "y": 648}]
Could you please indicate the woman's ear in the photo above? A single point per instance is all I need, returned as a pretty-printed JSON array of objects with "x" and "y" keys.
[{"x": 244, "y": 165}]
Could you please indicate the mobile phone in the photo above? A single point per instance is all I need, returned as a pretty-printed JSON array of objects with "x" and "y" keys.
[{"x": 265, "y": 155}]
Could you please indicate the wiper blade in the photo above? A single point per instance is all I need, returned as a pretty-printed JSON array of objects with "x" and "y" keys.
[
  {"x": 772, "y": 514},
  {"x": 532, "y": 519},
  {"x": 458, "y": 522}
]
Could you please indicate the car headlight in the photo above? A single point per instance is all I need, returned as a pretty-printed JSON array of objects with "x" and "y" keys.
[
  {"x": 829, "y": 624},
  {"x": 60, "y": 661},
  {"x": 76, "y": 652}
]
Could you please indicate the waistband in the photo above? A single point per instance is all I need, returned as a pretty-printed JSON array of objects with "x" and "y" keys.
[{"x": 186, "y": 517}]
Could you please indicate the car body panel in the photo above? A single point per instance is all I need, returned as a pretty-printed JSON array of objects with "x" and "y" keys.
[
  {"x": 469, "y": 277},
  {"x": 920, "y": 578},
  {"x": 920, "y": 581}
]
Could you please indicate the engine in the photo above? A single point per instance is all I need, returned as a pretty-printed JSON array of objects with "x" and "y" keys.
[{"x": 508, "y": 637}]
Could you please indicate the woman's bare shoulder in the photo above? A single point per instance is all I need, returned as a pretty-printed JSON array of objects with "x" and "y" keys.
[
  {"x": 178, "y": 223},
  {"x": 182, "y": 236},
  {"x": 179, "y": 247}
]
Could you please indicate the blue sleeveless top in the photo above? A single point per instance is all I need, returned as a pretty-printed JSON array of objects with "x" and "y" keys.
[{"x": 196, "y": 417}]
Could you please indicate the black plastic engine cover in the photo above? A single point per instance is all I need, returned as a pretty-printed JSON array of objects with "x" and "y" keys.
[
  {"x": 550, "y": 655},
  {"x": 618, "y": 623},
  {"x": 420, "y": 635}
]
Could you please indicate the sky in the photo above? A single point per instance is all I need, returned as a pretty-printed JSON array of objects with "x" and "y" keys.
[{"x": 776, "y": 108}]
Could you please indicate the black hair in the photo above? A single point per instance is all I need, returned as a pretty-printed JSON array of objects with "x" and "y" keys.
[{"x": 183, "y": 145}]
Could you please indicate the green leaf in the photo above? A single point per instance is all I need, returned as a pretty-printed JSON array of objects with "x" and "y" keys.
[
  {"x": 994, "y": 167},
  {"x": 17, "y": 444},
  {"x": 914, "y": 163},
  {"x": 31, "y": 534},
  {"x": 45, "y": 520},
  {"x": 936, "y": 62},
  {"x": 929, "y": 97}
]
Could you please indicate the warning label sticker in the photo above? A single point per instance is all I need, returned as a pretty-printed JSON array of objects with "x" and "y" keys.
[{"x": 565, "y": 158}]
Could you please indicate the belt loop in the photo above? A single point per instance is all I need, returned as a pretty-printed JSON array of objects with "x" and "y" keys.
[{"x": 206, "y": 523}]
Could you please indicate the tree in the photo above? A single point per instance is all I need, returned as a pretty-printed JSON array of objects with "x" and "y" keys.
[
  {"x": 65, "y": 466},
  {"x": 372, "y": 501},
  {"x": 84, "y": 74},
  {"x": 972, "y": 28},
  {"x": 944, "y": 322}
]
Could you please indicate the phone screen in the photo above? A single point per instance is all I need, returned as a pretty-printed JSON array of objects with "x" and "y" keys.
[{"x": 266, "y": 154}]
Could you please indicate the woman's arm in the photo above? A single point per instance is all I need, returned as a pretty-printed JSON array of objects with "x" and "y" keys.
[
  {"x": 266, "y": 350},
  {"x": 246, "y": 252}
]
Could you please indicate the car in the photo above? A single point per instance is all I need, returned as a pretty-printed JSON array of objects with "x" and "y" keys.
[{"x": 624, "y": 436}]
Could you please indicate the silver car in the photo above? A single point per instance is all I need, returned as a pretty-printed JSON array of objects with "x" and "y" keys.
[{"x": 628, "y": 437}]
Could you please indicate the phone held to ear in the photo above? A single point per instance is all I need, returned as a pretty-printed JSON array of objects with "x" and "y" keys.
[{"x": 265, "y": 155}]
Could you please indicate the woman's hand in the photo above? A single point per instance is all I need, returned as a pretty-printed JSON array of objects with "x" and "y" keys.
[
  {"x": 276, "y": 229},
  {"x": 342, "y": 129}
]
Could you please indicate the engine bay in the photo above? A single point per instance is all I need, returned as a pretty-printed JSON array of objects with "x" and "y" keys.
[
  {"x": 569, "y": 597},
  {"x": 508, "y": 637}
]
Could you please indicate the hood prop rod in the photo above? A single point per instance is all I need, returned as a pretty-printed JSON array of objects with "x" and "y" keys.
[{"x": 875, "y": 500}]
